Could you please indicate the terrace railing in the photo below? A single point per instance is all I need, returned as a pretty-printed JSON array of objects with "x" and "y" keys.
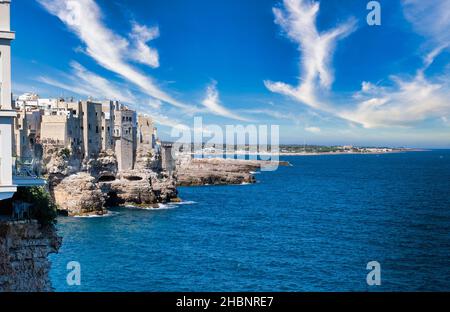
[{"x": 26, "y": 167}]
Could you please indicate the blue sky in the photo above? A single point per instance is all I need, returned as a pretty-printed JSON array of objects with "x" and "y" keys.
[{"x": 316, "y": 68}]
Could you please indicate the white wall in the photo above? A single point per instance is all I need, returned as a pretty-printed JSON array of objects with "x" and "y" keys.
[
  {"x": 4, "y": 15},
  {"x": 5, "y": 155},
  {"x": 6, "y": 116},
  {"x": 5, "y": 52}
]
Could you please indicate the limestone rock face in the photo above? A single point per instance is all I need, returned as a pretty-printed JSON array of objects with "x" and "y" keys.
[
  {"x": 79, "y": 194},
  {"x": 57, "y": 163},
  {"x": 164, "y": 186},
  {"x": 106, "y": 162},
  {"x": 216, "y": 171},
  {"x": 141, "y": 187},
  {"x": 24, "y": 247},
  {"x": 87, "y": 187}
]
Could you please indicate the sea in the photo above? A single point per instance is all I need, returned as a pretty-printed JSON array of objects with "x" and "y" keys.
[{"x": 312, "y": 226}]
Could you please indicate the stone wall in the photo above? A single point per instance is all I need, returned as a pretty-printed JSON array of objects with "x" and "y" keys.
[{"x": 24, "y": 247}]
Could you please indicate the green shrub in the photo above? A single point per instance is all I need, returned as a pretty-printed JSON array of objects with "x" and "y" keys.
[
  {"x": 43, "y": 209},
  {"x": 65, "y": 153}
]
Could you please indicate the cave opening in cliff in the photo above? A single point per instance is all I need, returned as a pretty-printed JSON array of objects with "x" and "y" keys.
[
  {"x": 112, "y": 199},
  {"x": 106, "y": 178},
  {"x": 133, "y": 178}
]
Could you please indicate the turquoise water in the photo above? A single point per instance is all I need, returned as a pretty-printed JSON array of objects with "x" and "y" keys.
[{"x": 310, "y": 227}]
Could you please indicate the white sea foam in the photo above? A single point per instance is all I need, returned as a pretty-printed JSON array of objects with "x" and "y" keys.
[
  {"x": 160, "y": 207},
  {"x": 164, "y": 207},
  {"x": 106, "y": 215},
  {"x": 188, "y": 202}
]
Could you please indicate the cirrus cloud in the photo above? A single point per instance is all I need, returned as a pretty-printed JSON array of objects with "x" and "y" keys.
[{"x": 111, "y": 51}]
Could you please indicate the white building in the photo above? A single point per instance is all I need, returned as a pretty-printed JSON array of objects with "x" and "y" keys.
[
  {"x": 10, "y": 175},
  {"x": 7, "y": 188},
  {"x": 32, "y": 101}
]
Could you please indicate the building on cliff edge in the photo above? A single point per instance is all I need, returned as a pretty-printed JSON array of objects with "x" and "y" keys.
[
  {"x": 14, "y": 171},
  {"x": 87, "y": 128}
]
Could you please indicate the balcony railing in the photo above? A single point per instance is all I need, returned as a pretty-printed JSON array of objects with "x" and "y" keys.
[
  {"x": 26, "y": 167},
  {"x": 27, "y": 172}
]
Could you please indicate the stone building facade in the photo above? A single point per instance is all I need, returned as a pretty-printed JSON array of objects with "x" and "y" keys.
[
  {"x": 124, "y": 137},
  {"x": 107, "y": 125},
  {"x": 91, "y": 116},
  {"x": 61, "y": 129},
  {"x": 145, "y": 130},
  {"x": 87, "y": 128}
]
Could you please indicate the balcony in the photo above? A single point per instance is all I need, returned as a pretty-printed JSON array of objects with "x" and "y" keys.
[{"x": 26, "y": 172}]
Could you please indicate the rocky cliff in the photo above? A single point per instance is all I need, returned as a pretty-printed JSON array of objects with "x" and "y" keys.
[
  {"x": 90, "y": 186},
  {"x": 79, "y": 194},
  {"x": 139, "y": 187},
  {"x": 218, "y": 171},
  {"x": 24, "y": 247}
]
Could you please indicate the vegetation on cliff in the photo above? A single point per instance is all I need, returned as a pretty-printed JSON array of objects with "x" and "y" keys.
[{"x": 42, "y": 207}]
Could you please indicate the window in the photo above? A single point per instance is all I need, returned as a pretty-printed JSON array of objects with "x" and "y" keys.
[{"x": 96, "y": 129}]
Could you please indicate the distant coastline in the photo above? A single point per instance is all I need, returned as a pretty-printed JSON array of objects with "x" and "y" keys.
[
  {"x": 247, "y": 153},
  {"x": 354, "y": 153}
]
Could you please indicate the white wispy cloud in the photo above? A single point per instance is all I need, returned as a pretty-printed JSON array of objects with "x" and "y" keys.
[
  {"x": 100, "y": 85},
  {"x": 314, "y": 130},
  {"x": 295, "y": 118},
  {"x": 406, "y": 102},
  {"x": 297, "y": 18},
  {"x": 167, "y": 121},
  {"x": 212, "y": 103},
  {"x": 155, "y": 104},
  {"x": 113, "y": 52},
  {"x": 76, "y": 89},
  {"x": 418, "y": 98},
  {"x": 429, "y": 18},
  {"x": 141, "y": 52},
  {"x": 84, "y": 82}
]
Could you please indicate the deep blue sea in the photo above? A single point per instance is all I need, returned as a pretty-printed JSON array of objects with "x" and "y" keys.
[{"x": 310, "y": 227}]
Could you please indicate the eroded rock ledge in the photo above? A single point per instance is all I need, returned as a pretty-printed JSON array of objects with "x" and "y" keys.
[
  {"x": 89, "y": 187},
  {"x": 219, "y": 171},
  {"x": 24, "y": 247}
]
